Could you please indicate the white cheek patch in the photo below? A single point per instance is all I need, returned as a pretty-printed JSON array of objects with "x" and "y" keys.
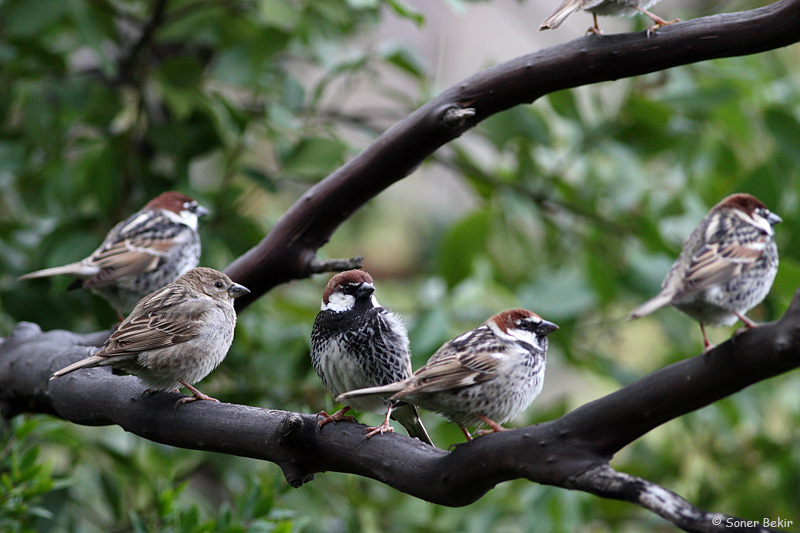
[
  {"x": 187, "y": 217},
  {"x": 757, "y": 221},
  {"x": 526, "y": 336},
  {"x": 764, "y": 224},
  {"x": 338, "y": 302}
]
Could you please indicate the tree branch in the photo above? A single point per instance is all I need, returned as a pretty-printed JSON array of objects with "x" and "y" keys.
[
  {"x": 286, "y": 252},
  {"x": 571, "y": 452}
]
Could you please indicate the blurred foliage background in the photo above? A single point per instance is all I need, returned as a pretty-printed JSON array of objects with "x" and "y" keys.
[{"x": 574, "y": 207}]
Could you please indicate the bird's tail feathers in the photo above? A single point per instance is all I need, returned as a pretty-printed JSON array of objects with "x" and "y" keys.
[
  {"x": 554, "y": 21},
  {"x": 382, "y": 390},
  {"x": 650, "y": 305},
  {"x": 75, "y": 269},
  {"x": 89, "y": 362},
  {"x": 407, "y": 415}
]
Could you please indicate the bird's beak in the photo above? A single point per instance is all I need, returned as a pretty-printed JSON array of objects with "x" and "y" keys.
[
  {"x": 773, "y": 219},
  {"x": 237, "y": 290},
  {"x": 365, "y": 290},
  {"x": 545, "y": 328},
  {"x": 203, "y": 212}
]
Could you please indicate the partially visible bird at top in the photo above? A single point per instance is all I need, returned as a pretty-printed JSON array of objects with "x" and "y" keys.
[
  {"x": 175, "y": 336},
  {"x": 623, "y": 8},
  {"x": 356, "y": 343},
  {"x": 144, "y": 252},
  {"x": 726, "y": 267},
  {"x": 482, "y": 377}
]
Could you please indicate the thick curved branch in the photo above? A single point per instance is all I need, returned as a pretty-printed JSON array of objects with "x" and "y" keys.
[
  {"x": 571, "y": 452},
  {"x": 286, "y": 252}
]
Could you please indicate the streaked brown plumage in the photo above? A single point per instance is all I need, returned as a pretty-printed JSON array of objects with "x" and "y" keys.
[
  {"x": 485, "y": 376},
  {"x": 174, "y": 336},
  {"x": 726, "y": 267},
  {"x": 144, "y": 252}
]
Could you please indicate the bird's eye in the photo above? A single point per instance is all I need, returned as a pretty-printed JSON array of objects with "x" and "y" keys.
[
  {"x": 218, "y": 284},
  {"x": 350, "y": 288},
  {"x": 191, "y": 206}
]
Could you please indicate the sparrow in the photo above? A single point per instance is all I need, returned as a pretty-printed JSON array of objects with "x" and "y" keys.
[
  {"x": 176, "y": 335},
  {"x": 356, "y": 343},
  {"x": 484, "y": 376},
  {"x": 726, "y": 267},
  {"x": 142, "y": 253},
  {"x": 624, "y": 8}
]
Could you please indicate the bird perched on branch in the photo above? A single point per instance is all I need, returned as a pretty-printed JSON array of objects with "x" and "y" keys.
[
  {"x": 484, "y": 376},
  {"x": 624, "y": 8},
  {"x": 726, "y": 267},
  {"x": 174, "y": 336},
  {"x": 356, "y": 343},
  {"x": 144, "y": 252}
]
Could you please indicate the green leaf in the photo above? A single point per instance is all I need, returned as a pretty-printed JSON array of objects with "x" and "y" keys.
[
  {"x": 563, "y": 102},
  {"x": 464, "y": 242},
  {"x": 404, "y": 59},
  {"x": 785, "y": 129},
  {"x": 315, "y": 157},
  {"x": 403, "y": 10}
]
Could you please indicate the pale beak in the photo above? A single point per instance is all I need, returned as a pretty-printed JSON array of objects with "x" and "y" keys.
[
  {"x": 202, "y": 212},
  {"x": 773, "y": 219}
]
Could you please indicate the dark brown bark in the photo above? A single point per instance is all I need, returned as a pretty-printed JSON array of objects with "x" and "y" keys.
[{"x": 571, "y": 452}]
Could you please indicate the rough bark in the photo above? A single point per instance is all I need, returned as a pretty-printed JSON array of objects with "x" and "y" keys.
[{"x": 571, "y": 452}]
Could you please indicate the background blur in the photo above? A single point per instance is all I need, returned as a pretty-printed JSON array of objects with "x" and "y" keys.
[{"x": 573, "y": 207}]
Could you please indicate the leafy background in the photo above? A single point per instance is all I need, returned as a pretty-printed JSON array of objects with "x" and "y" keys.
[{"x": 574, "y": 207}]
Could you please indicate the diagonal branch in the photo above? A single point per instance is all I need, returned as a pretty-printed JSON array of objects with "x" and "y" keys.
[{"x": 286, "y": 252}]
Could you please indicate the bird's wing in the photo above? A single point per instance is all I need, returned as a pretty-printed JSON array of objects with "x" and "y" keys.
[
  {"x": 132, "y": 247},
  {"x": 719, "y": 262},
  {"x": 165, "y": 318},
  {"x": 459, "y": 363}
]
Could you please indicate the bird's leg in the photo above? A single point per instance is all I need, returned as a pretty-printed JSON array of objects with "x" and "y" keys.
[
  {"x": 655, "y": 18},
  {"x": 196, "y": 395},
  {"x": 595, "y": 28},
  {"x": 491, "y": 423},
  {"x": 465, "y": 432},
  {"x": 383, "y": 428},
  {"x": 707, "y": 346},
  {"x": 749, "y": 324},
  {"x": 336, "y": 417}
]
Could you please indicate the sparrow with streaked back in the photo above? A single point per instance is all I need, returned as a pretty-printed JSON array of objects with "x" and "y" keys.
[
  {"x": 175, "y": 336},
  {"x": 485, "y": 376},
  {"x": 356, "y": 343},
  {"x": 144, "y": 252},
  {"x": 726, "y": 267}
]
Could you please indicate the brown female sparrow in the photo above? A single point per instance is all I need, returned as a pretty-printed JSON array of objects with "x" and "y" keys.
[
  {"x": 356, "y": 343},
  {"x": 726, "y": 267},
  {"x": 624, "y": 8},
  {"x": 484, "y": 376},
  {"x": 142, "y": 253},
  {"x": 176, "y": 335}
]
